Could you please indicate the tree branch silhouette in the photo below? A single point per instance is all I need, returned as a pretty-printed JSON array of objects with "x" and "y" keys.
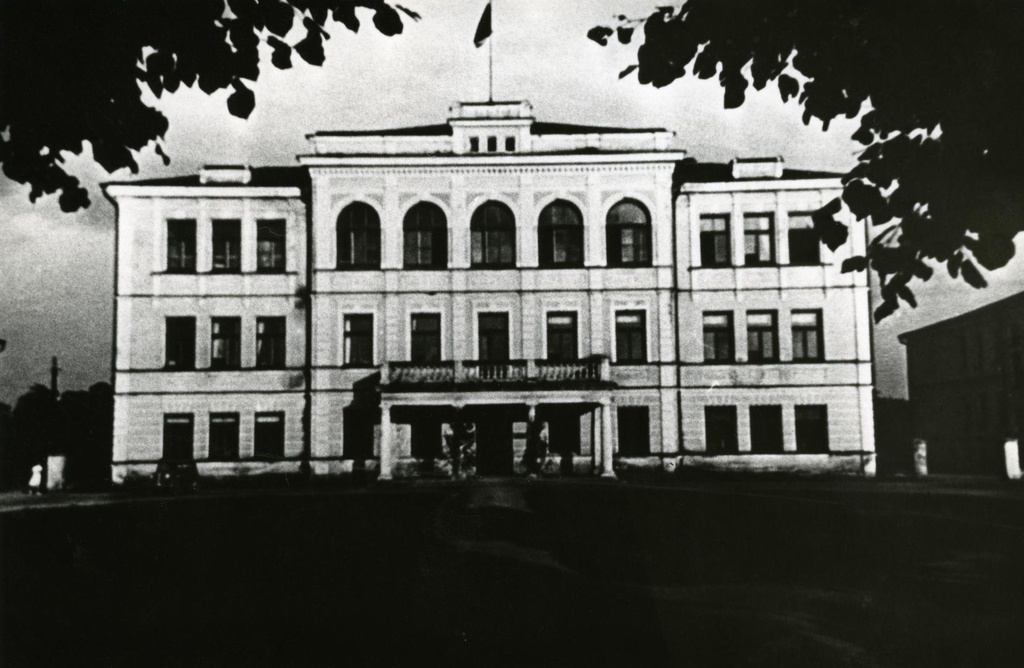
[
  {"x": 938, "y": 87},
  {"x": 72, "y": 71}
]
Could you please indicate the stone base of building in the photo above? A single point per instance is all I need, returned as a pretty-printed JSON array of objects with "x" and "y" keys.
[{"x": 853, "y": 463}]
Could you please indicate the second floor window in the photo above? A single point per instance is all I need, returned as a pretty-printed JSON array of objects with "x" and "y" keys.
[
  {"x": 270, "y": 245},
  {"x": 181, "y": 246},
  {"x": 714, "y": 241},
  {"x": 425, "y": 344},
  {"x": 426, "y": 237},
  {"x": 807, "y": 336},
  {"x": 493, "y": 235},
  {"x": 759, "y": 239},
  {"x": 562, "y": 343},
  {"x": 358, "y": 237},
  {"x": 358, "y": 341},
  {"x": 270, "y": 338},
  {"x": 630, "y": 337},
  {"x": 629, "y": 235},
  {"x": 718, "y": 339},
  {"x": 180, "y": 343},
  {"x": 227, "y": 245},
  {"x": 493, "y": 334},
  {"x": 560, "y": 235},
  {"x": 225, "y": 343},
  {"x": 762, "y": 337},
  {"x": 804, "y": 245}
]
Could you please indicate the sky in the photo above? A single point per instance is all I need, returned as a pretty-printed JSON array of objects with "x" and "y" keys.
[{"x": 56, "y": 269}]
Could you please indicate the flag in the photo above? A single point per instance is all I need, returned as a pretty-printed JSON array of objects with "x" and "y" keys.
[{"x": 483, "y": 29}]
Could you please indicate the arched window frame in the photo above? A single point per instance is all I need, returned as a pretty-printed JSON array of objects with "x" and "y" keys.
[
  {"x": 560, "y": 235},
  {"x": 358, "y": 237},
  {"x": 629, "y": 241},
  {"x": 493, "y": 236},
  {"x": 425, "y": 237}
]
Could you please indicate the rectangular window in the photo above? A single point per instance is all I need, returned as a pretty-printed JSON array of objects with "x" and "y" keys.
[
  {"x": 357, "y": 433},
  {"x": 223, "y": 436},
  {"x": 510, "y": 144},
  {"x": 812, "y": 429},
  {"x": 492, "y": 144},
  {"x": 762, "y": 336},
  {"x": 766, "y": 430},
  {"x": 718, "y": 338},
  {"x": 492, "y": 330},
  {"x": 358, "y": 340},
  {"x": 180, "y": 343},
  {"x": 178, "y": 430},
  {"x": 268, "y": 436},
  {"x": 630, "y": 337},
  {"x": 227, "y": 246},
  {"x": 634, "y": 431},
  {"x": 225, "y": 343},
  {"x": 270, "y": 343},
  {"x": 181, "y": 246},
  {"x": 714, "y": 241},
  {"x": 804, "y": 245},
  {"x": 759, "y": 239},
  {"x": 426, "y": 338},
  {"x": 474, "y": 144},
  {"x": 270, "y": 246},
  {"x": 807, "y": 336},
  {"x": 720, "y": 430},
  {"x": 562, "y": 345}
]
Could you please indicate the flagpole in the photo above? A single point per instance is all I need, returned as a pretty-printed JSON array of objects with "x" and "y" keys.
[{"x": 490, "y": 58}]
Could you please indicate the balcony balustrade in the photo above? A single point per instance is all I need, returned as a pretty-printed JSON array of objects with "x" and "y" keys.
[{"x": 595, "y": 369}]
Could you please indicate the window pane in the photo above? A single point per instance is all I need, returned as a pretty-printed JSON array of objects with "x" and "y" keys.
[
  {"x": 180, "y": 343},
  {"x": 720, "y": 430},
  {"x": 634, "y": 431},
  {"x": 628, "y": 234},
  {"x": 223, "y": 436},
  {"x": 426, "y": 338},
  {"x": 766, "y": 429},
  {"x": 801, "y": 221},
  {"x": 493, "y": 337},
  {"x": 227, "y": 243},
  {"x": 268, "y": 435},
  {"x": 561, "y": 332},
  {"x": 181, "y": 245},
  {"x": 358, "y": 341},
  {"x": 358, "y": 237},
  {"x": 270, "y": 245},
  {"x": 630, "y": 337},
  {"x": 177, "y": 437},
  {"x": 225, "y": 346},
  {"x": 812, "y": 428},
  {"x": 493, "y": 236},
  {"x": 270, "y": 343}
]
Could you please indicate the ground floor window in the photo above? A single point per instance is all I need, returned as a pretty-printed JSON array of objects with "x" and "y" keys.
[
  {"x": 634, "y": 431},
  {"x": 357, "y": 433},
  {"x": 766, "y": 429},
  {"x": 425, "y": 439},
  {"x": 720, "y": 430},
  {"x": 812, "y": 429},
  {"x": 178, "y": 431},
  {"x": 223, "y": 436},
  {"x": 268, "y": 437}
]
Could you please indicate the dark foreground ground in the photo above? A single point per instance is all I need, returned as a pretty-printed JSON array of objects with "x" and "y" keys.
[{"x": 522, "y": 573}]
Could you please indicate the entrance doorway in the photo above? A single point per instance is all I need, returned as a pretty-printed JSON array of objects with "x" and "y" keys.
[{"x": 494, "y": 451}]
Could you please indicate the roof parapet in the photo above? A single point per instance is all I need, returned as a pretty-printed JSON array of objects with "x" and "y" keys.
[
  {"x": 757, "y": 168},
  {"x": 240, "y": 174}
]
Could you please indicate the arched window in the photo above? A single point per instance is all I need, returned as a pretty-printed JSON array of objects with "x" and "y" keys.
[
  {"x": 358, "y": 237},
  {"x": 629, "y": 235},
  {"x": 560, "y": 235},
  {"x": 493, "y": 230},
  {"x": 426, "y": 237}
]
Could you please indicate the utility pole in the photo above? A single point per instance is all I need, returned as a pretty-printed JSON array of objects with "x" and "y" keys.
[{"x": 54, "y": 370}]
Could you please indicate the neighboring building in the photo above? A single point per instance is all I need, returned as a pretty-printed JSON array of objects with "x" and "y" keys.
[
  {"x": 492, "y": 270},
  {"x": 966, "y": 380}
]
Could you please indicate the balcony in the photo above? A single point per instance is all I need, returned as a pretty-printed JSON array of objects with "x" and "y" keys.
[{"x": 591, "y": 371}]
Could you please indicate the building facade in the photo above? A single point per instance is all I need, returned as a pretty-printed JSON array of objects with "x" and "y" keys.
[
  {"x": 966, "y": 382},
  {"x": 589, "y": 287}
]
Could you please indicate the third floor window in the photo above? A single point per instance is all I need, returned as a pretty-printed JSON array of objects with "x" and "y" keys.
[
  {"x": 426, "y": 237},
  {"x": 560, "y": 235},
  {"x": 358, "y": 343},
  {"x": 759, "y": 239},
  {"x": 270, "y": 245},
  {"x": 227, "y": 246},
  {"x": 493, "y": 232},
  {"x": 270, "y": 343},
  {"x": 425, "y": 344},
  {"x": 562, "y": 342},
  {"x": 629, "y": 235},
  {"x": 804, "y": 245},
  {"x": 762, "y": 337},
  {"x": 225, "y": 343},
  {"x": 181, "y": 246},
  {"x": 630, "y": 337},
  {"x": 714, "y": 241},
  {"x": 718, "y": 338},
  {"x": 358, "y": 237},
  {"x": 807, "y": 336},
  {"x": 180, "y": 343}
]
